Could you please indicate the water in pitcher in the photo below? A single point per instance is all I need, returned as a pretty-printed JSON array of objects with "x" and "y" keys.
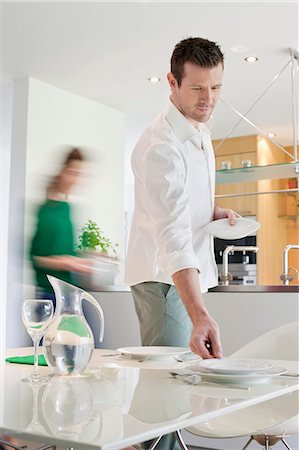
[
  {"x": 69, "y": 344},
  {"x": 69, "y": 359}
]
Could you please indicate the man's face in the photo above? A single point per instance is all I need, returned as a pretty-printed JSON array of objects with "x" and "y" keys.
[{"x": 198, "y": 93}]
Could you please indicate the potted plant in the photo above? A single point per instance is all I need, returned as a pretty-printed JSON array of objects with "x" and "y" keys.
[
  {"x": 92, "y": 238},
  {"x": 102, "y": 251}
]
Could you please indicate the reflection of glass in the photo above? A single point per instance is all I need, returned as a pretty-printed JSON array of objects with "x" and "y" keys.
[
  {"x": 67, "y": 406},
  {"x": 36, "y": 316},
  {"x": 35, "y": 425}
]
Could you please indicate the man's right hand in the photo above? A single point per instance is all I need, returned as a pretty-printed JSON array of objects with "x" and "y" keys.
[{"x": 205, "y": 339}]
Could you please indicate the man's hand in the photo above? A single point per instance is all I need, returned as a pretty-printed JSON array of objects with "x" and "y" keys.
[
  {"x": 222, "y": 213},
  {"x": 205, "y": 339}
]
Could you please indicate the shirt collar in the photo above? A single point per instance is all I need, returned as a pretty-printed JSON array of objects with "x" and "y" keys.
[{"x": 183, "y": 129}]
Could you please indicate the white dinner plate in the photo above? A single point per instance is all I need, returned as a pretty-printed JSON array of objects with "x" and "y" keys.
[
  {"x": 247, "y": 378},
  {"x": 222, "y": 229},
  {"x": 153, "y": 352},
  {"x": 228, "y": 366}
]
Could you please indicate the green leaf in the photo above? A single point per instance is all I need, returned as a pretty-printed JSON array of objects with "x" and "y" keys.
[{"x": 92, "y": 237}]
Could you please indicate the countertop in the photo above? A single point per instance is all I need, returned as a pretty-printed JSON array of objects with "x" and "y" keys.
[
  {"x": 231, "y": 288},
  {"x": 257, "y": 288}
]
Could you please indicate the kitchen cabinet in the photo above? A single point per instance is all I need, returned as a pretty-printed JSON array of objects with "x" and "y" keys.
[
  {"x": 277, "y": 212},
  {"x": 246, "y": 206}
]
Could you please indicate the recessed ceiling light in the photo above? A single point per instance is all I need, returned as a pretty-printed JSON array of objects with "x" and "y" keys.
[
  {"x": 251, "y": 59},
  {"x": 271, "y": 135},
  {"x": 154, "y": 79},
  {"x": 239, "y": 48}
]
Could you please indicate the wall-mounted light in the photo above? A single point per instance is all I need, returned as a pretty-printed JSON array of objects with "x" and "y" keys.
[
  {"x": 251, "y": 59},
  {"x": 271, "y": 135},
  {"x": 154, "y": 79}
]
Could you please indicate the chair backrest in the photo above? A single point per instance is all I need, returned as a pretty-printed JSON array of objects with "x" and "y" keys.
[{"x": 279, "y": 343}]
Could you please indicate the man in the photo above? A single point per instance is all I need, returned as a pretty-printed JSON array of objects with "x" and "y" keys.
[{"x": 170, "y": 259}]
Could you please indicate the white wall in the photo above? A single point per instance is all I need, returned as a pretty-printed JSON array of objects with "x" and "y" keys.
[
  {"x": 15, "y": 332},
  {"x": 5, "y": 145},
  {"x": 57, "y": 118},
  {"x": 45, "y": 120},
  {"x": 6, "y": 99}
]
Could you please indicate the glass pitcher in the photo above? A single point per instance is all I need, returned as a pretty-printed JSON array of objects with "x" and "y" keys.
[{"x": 69, "y": 341}]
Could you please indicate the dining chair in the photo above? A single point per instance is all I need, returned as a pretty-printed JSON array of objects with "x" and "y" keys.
[
  {"x": 4, "y": 444},
  {"x": 269, "y": 422}
]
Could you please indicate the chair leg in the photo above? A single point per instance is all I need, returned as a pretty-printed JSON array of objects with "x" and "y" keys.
[
  {"x": 286, "y": 444},
  {"x": 180, "y": 440},
  {"x": 155, "y": 443},
  {"x": 10, "y": 445},
  {"x": 248, "y": 443},
  {"x": 267, "y": 443},
  {"x": 46, "y": 447},
  {"x": 23, "y": 447}
]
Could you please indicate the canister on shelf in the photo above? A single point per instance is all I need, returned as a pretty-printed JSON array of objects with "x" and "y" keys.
[
  {"x": 246, "y": 163},
  {"x": 226, "y": 165}
]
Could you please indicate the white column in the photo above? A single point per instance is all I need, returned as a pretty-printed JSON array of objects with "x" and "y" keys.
[{"x": 5, "y": 147}]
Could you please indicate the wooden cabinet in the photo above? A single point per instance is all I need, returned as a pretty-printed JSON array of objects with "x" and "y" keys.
[
  {"x": 277, "y": 213},
  {"x": 244, "y": 205}
]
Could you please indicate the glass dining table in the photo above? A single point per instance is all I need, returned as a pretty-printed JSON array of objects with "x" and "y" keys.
[{"x": 120, "y": 401}]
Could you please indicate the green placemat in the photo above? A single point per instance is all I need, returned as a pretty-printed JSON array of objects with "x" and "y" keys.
[{"x": 27, "y": 360}]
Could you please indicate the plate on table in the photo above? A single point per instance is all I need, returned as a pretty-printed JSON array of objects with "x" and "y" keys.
[
  {"x": 228, "y": 366},
  {"x": 247, "y": 378},
  {"x": 153, "y": 352},
  {"x": 222, "y": 229}
]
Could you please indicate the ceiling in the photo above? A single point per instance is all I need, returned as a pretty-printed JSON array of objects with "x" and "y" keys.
[{"x": 106, "y": 51}]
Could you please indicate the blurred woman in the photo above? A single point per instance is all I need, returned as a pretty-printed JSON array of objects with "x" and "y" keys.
[{"x": 53, "y": 247}]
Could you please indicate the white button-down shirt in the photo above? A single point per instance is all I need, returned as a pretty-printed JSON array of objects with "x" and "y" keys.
[{"x": 174, "y": 169}]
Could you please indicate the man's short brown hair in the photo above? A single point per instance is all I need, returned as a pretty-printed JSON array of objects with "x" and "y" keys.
[{"x": 199, "y": 51}]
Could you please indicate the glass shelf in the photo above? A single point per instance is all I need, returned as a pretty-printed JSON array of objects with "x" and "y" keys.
[
  {"x": 289, "y": 217},
  {"x": 256, "y": 173}
]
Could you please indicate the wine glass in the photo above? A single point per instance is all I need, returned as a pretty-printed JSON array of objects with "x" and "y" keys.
[{"x": 36, "y": 316}]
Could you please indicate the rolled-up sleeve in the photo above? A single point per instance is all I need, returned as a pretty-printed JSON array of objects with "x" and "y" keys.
[{"x": 164, "y": 177}]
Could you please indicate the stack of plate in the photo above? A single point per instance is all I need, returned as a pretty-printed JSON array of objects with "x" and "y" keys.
[{"x": 227, "y": 370}]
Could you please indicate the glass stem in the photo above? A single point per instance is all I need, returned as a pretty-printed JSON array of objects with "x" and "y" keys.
[{"x": 36, "y": 342}]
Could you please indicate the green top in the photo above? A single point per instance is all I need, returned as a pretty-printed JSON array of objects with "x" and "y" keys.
[{"x": 54, "y": 236}]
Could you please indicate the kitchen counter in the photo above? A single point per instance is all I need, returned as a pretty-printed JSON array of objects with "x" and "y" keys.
[
  {"x": 258, "y": 288},
  {"x": 232, "y": 288},
  {"x": 242, "y": 315}
]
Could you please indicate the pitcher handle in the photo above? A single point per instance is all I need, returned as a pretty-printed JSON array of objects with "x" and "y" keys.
[{"x": 91, "y": 299}]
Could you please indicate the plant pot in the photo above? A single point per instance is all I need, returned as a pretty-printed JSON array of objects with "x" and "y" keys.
[{"x": 104, "y": 271}]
